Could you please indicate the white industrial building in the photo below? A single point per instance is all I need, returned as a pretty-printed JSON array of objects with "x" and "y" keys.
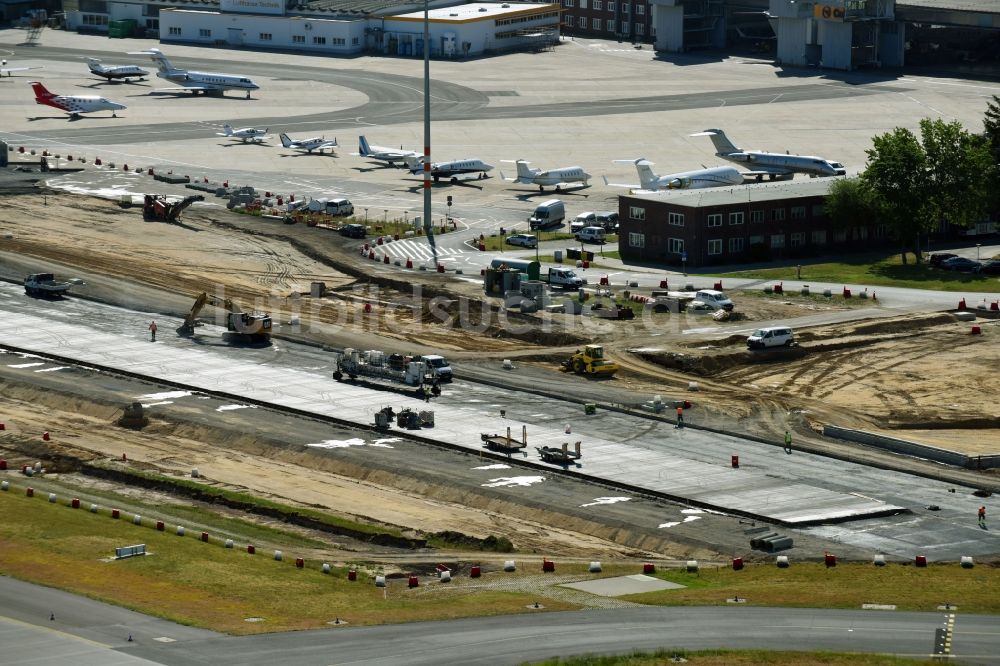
[{"x": 336, "y": 27}]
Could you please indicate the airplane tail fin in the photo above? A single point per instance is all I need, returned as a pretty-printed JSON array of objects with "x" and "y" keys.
[
  {"x": 647, "y": 178},
  {"x": 285, "y": 141},
  {"x": 227, "y": 130},
  {"x": 94, "y": 64},
  {"x": 414, "y": 164},
  {"x": 523, "y": 171},
  {"x": 723, "y": 146},
  {"x": 41, "y": 92},
  {"x": 363, "y": 148},
  {"x": 161, "y": 60}
]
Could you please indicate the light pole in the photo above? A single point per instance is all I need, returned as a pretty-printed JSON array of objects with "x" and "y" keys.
[
  {"x": 385, "y": 220},
  {"x": 978, "y": 245},
  {"x": 366, "y": 216},
  {"x": 428, "y": 224}
]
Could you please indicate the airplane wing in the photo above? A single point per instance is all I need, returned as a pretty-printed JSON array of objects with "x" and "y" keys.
[
  {"x": 628, "y": 185},
  {"x": 768, "y": 171},
  {"x": 8, "y": 70}
]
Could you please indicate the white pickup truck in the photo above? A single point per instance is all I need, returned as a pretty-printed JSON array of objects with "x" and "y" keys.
[{"x": 564, "y": 278}]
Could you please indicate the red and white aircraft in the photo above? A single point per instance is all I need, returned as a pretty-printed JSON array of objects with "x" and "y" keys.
[{"x": 74, "y": 105}]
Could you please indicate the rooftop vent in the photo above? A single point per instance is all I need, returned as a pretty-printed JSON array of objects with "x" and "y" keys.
[
  {"x": 482, "y": 9},
  {"x": 452, "y": 14},
  {"x": 505, "y": 6}
]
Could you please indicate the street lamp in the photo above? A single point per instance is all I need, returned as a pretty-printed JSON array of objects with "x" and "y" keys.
[
  {"x": 978, "y": 245},
  {"x": 385, "y": 220},
  {"x": 366, "y": 216}
]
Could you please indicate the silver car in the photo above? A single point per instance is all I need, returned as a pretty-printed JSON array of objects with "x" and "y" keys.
[{"x": 524, "y": 240}]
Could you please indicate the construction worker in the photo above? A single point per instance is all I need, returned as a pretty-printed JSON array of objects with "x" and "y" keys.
[
  {"x": 680, "y": 416},
  {"x": 788, "y": 442},
  {"x": 982, "y": 517},
  {"x": 152, "y": 331}
]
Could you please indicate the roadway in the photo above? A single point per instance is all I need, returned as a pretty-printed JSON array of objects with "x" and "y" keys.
[{"x": 89, "y": 633}]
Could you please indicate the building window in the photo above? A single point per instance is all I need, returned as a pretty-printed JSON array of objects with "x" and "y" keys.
[
  {"x": 675, "y": 219},
  {"x": 778, "y": 214},
  {"x": 175, "y": 31},
  {"x": 798, "y": 239},
  {"x": 569, "y": 3},
  {"x": 319, "y": 40},
  {"x": 298, "y": 39},
  {"x": 95, "y": 19},
  {"x": 860, "y": 233},
  {"x": 756, "y": 216},
  {"x": 798, "y": 212},
  {"x": 354, "y": 41},
  {"x": 640, "y": 9},
  {"x": 736, "y": 245},
  {"x": 265, "y": 36},
  {"x": 736, "y": 218},
  {"x": 715, "y": 246},
  {"x": 639, "y": 28},
  {"x": 880, "y": 231},
  {"x": 778, "y": 240},
  {"x": 840, "y": 236},
  {"x": 636, "y": 240},
  {"x": 569, "y": 21},
  {"x": 204, "y": 32},
  {"x": 595, "y": 24},
  {"x": 598, "y": 5},
  {"x": 675, "y": 245},
  {"x": 153, "y": 24},
  {"x": 338, "y": 41},
  {"x": 819, "y": 210},
  {"x": 610, "y": 25},
  {"x": 625, "y": 8},
  {"x": 715, "y": 220},
  {"x": 636, "y": 213},
  {"x": 819, "y": 238},
  {"x": 583, "y": 4}
]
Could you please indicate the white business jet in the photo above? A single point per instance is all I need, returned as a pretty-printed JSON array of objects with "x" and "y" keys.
[
  {"x": 383, "y": 154},
  {"x": 308, "y": 145},
  {"x": 685, "y": 180},
  {"x": 74, "y": 105},
  {"x": 197, "y": 82},
  {"x": 560, "y": 179},
  {"x": 451, "y": 169},
  {"x": 244, "y": 134},
  {"x": 8, "y": 71},
  {"x": 113, "y": 72},
  {"x": 772, "y": 165}
]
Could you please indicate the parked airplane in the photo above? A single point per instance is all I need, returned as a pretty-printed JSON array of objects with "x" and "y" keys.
[
  {"x": 772, "y": 165},
  {"x": 557, "y": 178},
  {"x": 110, "y": 72},
  {"x": 74, "y": 105},
  {"x": 197, "y": 82},
  {"x": 308, "y": 145},
  {"x": 451, "y": 169},
  {"x": 696, "y": 179},
  {"x": 383, "y": 154},
  {"x": 244, "y": 134},
  {"x": 4, "y": 69}
]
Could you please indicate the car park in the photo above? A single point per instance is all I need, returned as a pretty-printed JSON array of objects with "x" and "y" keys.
[
  {"x": 960, "y": 264},
  {"x": 524, "y": 240},
  {"x": 353, "y": 231}
]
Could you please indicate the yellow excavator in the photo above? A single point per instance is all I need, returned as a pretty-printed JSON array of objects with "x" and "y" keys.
[
  {"x": 249, "y": 326},
  {"x": 590, "y": 361}
]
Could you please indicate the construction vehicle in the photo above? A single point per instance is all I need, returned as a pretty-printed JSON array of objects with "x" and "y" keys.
[
  {"x": 559, "y": 456},
  {"x": 245, "y": 326},
  {"x": 385, "y": 368},
  {"x": 590, "y": 361},
  {"x": 45, "y": 284},
  {"x": 159, "y": 207},
  {"x": 133, "y": 416}
]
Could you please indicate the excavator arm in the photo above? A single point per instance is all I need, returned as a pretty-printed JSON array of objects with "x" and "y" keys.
[{"x": 187, "y": 327}]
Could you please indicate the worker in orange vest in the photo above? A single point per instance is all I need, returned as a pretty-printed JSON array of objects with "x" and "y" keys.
[
  {"x": 152, "y": 331},
  {"x": 680, "y": 416},
  {"x": 982, "y": 516}
]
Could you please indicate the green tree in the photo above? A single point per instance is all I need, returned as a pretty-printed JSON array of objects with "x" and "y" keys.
[
  {"x": 959, "y": 169},
  {"x": 850, "y": 202},
  {"x": 991, "y": 126},
  {"x": 897, "y": 177}
]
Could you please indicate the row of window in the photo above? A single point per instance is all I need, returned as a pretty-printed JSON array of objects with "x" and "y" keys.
[
  {"x": 774, "y": 241},
  {"x": 94, "y": 19},
  {"x": 736, "y": 217},
  {"x": 522, "y": 19},
  {"x": 205, "y": 33},
  {"x": 599, "y": 5},
  {"x": 609, "y": 25}
]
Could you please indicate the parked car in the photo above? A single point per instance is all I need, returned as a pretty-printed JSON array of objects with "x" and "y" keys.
[
  {"x": 608, "y": 220},
  {"x": 991, "y": 267},
  {"x": 939, "y": 257},
  {"x": 773, "y": 336},
  {"x": 524, "y": 240},
  {"x": 591, "y": 235},
  {"x": 960, "y": 264},
  {"x": 353, "y": 231},
  {"x": 588, "y": 219},
  {"x": 715, "y": 300}
]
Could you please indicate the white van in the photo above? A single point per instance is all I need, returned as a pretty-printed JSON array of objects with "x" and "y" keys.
[
  {"x": 773, "y": 336},
  {"x": 582, "y": 220},
  {"x": 714, "y": 299},
  {"x": 591, "y": 235},
  {"x": 339, "y": 207},
  {"x": 550, "y": 213}
]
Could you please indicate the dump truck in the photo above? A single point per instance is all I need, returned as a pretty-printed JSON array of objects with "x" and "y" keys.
[
  {"x": 159, "y": 207},
  {"x": 381, "y": 368},
  {"x": 590, "y": 361},
  {"x": 243, "y": 326},
  {"x": 560, "y": 456},
  {"x": 45, "y": 284}
]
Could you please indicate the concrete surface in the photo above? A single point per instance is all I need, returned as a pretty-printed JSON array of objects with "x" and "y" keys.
[{"x": 622, "y": 585}]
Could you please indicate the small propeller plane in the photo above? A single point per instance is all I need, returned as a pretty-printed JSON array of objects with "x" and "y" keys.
[
  {"x": 383, "y": 154},
  {"x": 113, "y": 72},
  {"x": 244, "y": 134},
  {"x": 74, "y": 105},
  {"x": 561, "y": 179},
  {"x": 308, "y": 145}
]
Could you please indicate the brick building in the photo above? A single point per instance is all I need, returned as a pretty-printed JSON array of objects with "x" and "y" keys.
[
  {"x": 757, "y": 222},
  {"x": 629, "y": 20}
]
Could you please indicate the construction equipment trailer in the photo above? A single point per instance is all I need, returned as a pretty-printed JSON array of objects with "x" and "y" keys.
[
  {"x": 505, "y": 444},
  {"x": 159, "y": 207},
  {"x": 559, "y": 456},
  {"x": 381, "y": 370},
  {"x": 244, "y": 326}
]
